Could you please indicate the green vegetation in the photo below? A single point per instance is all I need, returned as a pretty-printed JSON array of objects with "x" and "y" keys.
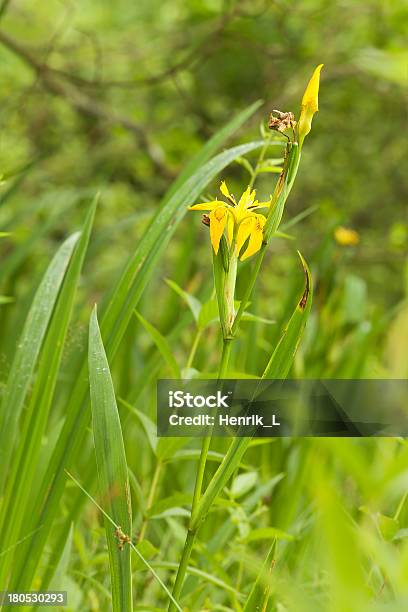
[{"x": 116, "y": 117}]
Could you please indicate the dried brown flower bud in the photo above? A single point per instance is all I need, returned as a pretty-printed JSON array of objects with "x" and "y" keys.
[
  {"x": 206, "y": 220},
  {"x": 282, "y": 121}
]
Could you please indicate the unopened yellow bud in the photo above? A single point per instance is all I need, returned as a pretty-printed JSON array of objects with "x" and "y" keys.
[{"x": 310, "y": 104}]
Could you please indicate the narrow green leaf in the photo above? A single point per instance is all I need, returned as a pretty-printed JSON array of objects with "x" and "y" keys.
[
  {"x": 194, "y": 571},
  {"x": 147, "y": 424},
  {"x": 249, "y": 316},
  {"x": 162, "y": 344},
  {"x": 243, "y": 483},
  {"x": 112, "y": 468},
  {"x": 167, "y": 447},
  {"x": 229, "y": 464},
  {"x": 268, "y": 533},
  {"x": 213, "y": 144},
  {"x": 283, "y": 355},
  {"x": 28, "y": 349},
  {"x": 258, "y": 592},
  {"x": 192, "y": 302},
  {"x": 24, "y": 466}
]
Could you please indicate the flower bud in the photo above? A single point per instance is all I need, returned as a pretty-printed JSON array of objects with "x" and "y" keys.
[{"x": 310, "y": 105}]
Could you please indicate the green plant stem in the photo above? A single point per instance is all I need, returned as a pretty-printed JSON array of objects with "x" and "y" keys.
[
  {"x": 191, "y": 533},
  {"x": 194, "y": 349},
  {"x": 182, "y": 568},
  {"x": 150, "y": 499}
]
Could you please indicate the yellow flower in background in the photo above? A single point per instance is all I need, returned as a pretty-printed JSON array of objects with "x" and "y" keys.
[
  {"x": 238, "y": 218},
  {"x": 310, "y": 104},
  {"x": 345, "y": 236}
]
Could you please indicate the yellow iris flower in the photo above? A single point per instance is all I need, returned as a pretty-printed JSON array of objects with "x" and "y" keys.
[
  {"x": 239, "y": 219},
  {"x": 310, "y": 104}
]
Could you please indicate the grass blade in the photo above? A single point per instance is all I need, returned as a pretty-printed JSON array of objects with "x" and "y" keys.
[
  {"x": 28, "y": 349},
  {"x": 112, "y": 468},
  {"x": 257, "y": 599},
  {"x": 24, "y": 466},
  {"x": 282, "y": 357},
  {"x": 162, "y": 345}
]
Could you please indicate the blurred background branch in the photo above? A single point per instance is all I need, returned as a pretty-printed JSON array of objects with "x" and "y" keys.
[{"x": 54, "y": 83}]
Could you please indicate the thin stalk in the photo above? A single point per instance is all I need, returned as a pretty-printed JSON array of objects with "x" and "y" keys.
[
  {"x": 194, "y": 349},
  {"x": 191, "y": 533},
  {"x": 150, "y": 499},
  {"x": 182, "y": 568},
  {"x": 205, "y": 447}
]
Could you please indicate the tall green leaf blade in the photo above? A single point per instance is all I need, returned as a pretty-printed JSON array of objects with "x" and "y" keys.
[
  {"x": 192, "y": 302},
  {"x": 162, "y": 345},
  {"x": 112, "y": 467},
  {"x": 284, "y": 353},
  {"x": 28, "y": 349},
  {"x": 213, "y": 144},
  {"x": 259, "y": 594},
  {"x": 24, "y": 464}
]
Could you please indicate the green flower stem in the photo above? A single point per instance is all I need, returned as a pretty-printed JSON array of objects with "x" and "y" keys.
[
  {"x": 194, "y": 349},
  {"x": 226, "y": 351},
  {"x": 182, "y": 568},
  {"x": 192, "y": 531},
  {"x": 150, "y": 500}
]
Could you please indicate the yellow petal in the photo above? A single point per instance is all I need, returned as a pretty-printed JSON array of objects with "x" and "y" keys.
[
  {"x": 255, "y": 237},
  {"x": 244, "y": 229},
  {"x": 224, "y": 190},
  {"x": 206, "y": 205},
  {"x": 262, "y": 204},
  {"x": 218, "y": 220},
  {"x": 310, "y": 104},
  {"x": 247, "y": 198}
]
